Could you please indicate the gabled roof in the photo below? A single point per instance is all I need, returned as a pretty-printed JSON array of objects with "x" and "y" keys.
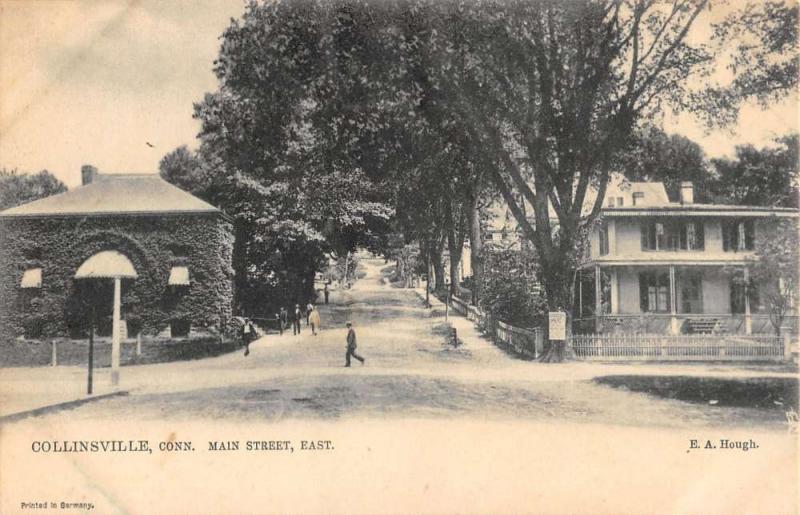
[{"x": 112, "y": 194}]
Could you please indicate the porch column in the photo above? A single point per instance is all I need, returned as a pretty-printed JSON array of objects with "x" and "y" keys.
[
  {"x": 674, "y": 329},
  {"x": 580, "y": 294},
  {"x": 614, "y": 292},
  {"x": 598, "y": 299},
  {"x": 115, "y": 332},
  {"x": 748, "y": 320}
]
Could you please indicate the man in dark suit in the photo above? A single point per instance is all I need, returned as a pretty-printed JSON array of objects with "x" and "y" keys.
[
  {"x": 351, "y": 346},
  {"x": 297, "y": 316}
]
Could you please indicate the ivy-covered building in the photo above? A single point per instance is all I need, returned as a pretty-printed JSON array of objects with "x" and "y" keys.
[{"x": 168, "y": 251}]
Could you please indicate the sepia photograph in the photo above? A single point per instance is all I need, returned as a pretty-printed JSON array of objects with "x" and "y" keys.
[{"x": 399, "y": 257}]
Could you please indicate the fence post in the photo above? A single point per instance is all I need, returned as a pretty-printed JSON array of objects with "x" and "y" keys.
[
  {"x": 54, "y": 358},
  {"x": 139, "y": 345},
  {"x": 787, "y": 346}
]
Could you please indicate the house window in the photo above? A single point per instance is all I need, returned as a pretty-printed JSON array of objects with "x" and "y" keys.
[
  {"x": 738, "y": 235},
  {"x": 603, "y": 239},
  {"x": 654, "y": 292},
  {"x": 638, "y": 198},
  {"x": 738, "y": 291},
  {"x": 672, "y": 235}
]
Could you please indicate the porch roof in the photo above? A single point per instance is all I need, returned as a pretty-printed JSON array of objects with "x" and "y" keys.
[
  {"x": 739, "y": 261},
  {"x": 704, "y": 210}
]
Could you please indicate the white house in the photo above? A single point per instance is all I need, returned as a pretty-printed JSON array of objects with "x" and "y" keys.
[{"x": 671, "y": 267}]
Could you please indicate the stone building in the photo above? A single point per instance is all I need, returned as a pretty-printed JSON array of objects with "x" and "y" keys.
[{"x": 128, "y": 247}]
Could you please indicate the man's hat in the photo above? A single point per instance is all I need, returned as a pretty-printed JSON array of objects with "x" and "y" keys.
[{"x": 348, "y": 323}]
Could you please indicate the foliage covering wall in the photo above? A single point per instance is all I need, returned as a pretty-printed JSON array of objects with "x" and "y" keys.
[{"x": 59, "y": 246}]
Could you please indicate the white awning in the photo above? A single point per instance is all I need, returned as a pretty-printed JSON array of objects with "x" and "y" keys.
[
  {"x": 106, "y": 264},
  {"x": 179, "y": 276},
  {"x": 31, "y": 278}
]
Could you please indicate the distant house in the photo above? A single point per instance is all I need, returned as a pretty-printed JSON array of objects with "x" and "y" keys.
[
  {"x": 657, "y": 266},
  {"x": 166, "y": 252}
]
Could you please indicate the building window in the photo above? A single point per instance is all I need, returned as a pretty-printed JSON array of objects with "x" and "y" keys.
[
  {"x": 654, "y": 292},
  {"x": 603, "y": 239},
  {"x": 638, "y": 198},
  {"x": 672, "y": 235},
  {"x": 738, "y": 291},
  {"x": 738, "y": 235}
]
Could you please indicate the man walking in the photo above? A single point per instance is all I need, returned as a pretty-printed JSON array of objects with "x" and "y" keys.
[
  {"x": 315, "y": 320},
  {"x": 351, "y": 346},
  {"x": 296, "y": 318},
  {"x": 309, "y": 308},
  {"x": 284, "y": 316}
]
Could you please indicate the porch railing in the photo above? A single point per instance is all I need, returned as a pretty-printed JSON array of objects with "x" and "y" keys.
[
  {"x": 695, "y": 347},
  {"x": 660, "y": 323}
]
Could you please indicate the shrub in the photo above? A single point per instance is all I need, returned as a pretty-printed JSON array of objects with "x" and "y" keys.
[{"x": 510, "y": 290}]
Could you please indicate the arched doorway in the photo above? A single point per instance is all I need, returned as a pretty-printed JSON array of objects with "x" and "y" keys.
[{"x": 105, "y": 265}]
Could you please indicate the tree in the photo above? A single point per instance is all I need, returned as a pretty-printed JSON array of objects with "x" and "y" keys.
[
  {"x": 774, "y": 268},
  {"x": 553, "y": 91},
  {"x": 765, "y": 177},
  {"x": 20, "y": 188},
  {"x": 183, "y": 168},
  {"x": 758, "y": 46},
  {"x": 669, "y": 158}
]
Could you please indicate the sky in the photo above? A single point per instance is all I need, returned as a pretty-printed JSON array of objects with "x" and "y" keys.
[{"x": 93, "y": 82}]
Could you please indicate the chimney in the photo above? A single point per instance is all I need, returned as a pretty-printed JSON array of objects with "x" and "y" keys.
[
  {"x": 687, "y": 192},
  {"x": 88, "y": 174}
]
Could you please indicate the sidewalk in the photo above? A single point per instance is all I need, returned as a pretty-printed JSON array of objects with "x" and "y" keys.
[
  {"x": 584, "y": 370},
  {"x": 34, "y": 388}
]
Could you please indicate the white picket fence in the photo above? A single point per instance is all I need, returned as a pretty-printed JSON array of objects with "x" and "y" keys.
[
  {"x": 637, "y": 347},
  {"x": 680, "y": 347}
]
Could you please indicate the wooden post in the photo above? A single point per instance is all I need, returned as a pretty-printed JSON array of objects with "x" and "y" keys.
[
  {"x": 115, "y": 332},
  {"x": 787, "y": 346},
  {"x": 748, "y": 320},
  {"x": 672, "y": 298},
  {"x": 598, "y": 298},
  {"x": 54, "y": 358},
  {"x": 139, "y": 345},
  {"x": 91, "y": 353}
]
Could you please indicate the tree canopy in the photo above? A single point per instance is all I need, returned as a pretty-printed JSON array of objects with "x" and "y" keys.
[{"x": 19, "y": 188}]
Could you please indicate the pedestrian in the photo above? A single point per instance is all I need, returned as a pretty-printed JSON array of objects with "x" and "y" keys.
[
  {"x": 326, "y": 292},
  {"x": 309, "y": 308},
  {"x": 351, "y": 346},
  {"x": 248, "y": 333},
  {"x": 279, "y": 323},
  {"x": 297, "y": 316},
  {"x": 284, "y": 319},
  {"x": 316, "y": 323}
]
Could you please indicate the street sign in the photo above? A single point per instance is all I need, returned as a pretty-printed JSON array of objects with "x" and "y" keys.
[{"x": 558, "y": 325}]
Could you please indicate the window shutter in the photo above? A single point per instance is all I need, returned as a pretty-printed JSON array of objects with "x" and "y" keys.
[
  {"x": 726, "y": 236},
  {"x": 699, "y": 234},
  {"x": 644, "y": 229},
  {"x": 749, "y": 234},
  {"x": 643, "y": 292}
]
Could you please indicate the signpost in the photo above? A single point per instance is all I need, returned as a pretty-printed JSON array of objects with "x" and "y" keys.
[{"x": 557, "y": 325}]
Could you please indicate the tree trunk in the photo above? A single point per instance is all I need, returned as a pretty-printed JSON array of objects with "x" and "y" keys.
[
  {"x": 476, "y": 250},
  {"x": 455, "y": 259},
  {"x": 558, "y": 285},
  {"x": 438, "y": 264}
]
